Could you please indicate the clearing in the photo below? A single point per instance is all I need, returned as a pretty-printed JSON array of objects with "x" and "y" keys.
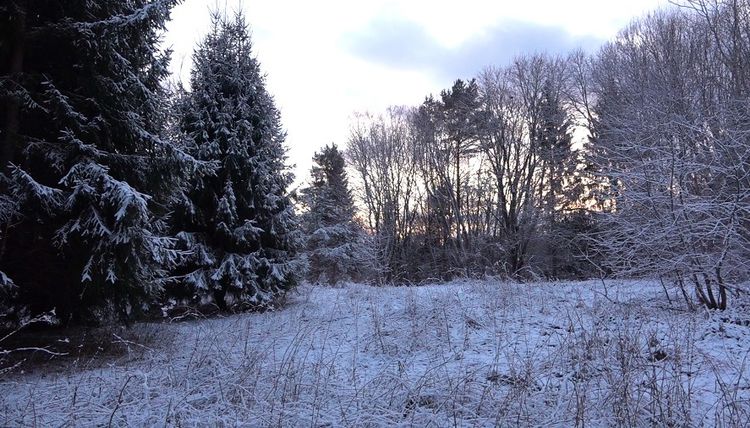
[{"x": 474, "y": 353}]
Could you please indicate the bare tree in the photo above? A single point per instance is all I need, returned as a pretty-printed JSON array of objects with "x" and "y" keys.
[
  {"x": 475, "y": 181},
  {"x": 526, "y": 140},
  {"x": 379, "y": 152},
  {"x": 671, "y": 144}
]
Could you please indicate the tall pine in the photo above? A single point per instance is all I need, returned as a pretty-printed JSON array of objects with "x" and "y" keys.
[
  {"x": 84, "y": 167},
  {"x": 236, "y": 226},
  {"x": 559, "y": 189},
  {"x": 337, "y": 248}
]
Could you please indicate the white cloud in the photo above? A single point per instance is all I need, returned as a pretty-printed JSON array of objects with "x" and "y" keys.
[{"x": 318, "y": 80}]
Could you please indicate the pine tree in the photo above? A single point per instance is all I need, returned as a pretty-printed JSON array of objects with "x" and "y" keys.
[
  {"x": 558, "y": 190},
  {"x": 83, "y": 158},
  {"x": 555, "y": 151},
  {"x": 337, "y": 248},
  {"x": 235, "y": 226}
]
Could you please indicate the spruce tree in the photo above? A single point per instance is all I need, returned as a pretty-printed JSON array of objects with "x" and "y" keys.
[
  {"x": 337, "y": 248},
  {"x": 559, "y": 189},
  {"x": 83, "y": 160},
  {"x": 236, "y": 226},
  {"x": 556, "y": 152}
]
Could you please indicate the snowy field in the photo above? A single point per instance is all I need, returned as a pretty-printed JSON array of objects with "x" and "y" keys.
[{"x": 461, "y": 354}]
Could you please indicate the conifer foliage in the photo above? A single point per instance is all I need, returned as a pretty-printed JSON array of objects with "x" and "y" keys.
[
  {"x": 84, "y": 169},
  {"x": 337, "y": 248},
  {"x": 559, "y": 189},
  {"x": 235, "y": 226}
]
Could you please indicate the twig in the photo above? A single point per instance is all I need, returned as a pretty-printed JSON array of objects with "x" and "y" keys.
[
  {"x": 119, "y": 401},
  {"x": 53, "y": 353},
  {"x": 128, "y": 342}
]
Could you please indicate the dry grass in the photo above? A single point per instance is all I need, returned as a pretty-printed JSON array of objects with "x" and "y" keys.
[{"x": 465, "y": 354}]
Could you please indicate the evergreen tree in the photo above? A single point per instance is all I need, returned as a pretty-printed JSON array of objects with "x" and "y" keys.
[
  {"x": 559, "y": 190},
  {"x": 83, "y": 162},
  {"x": 337, "y": 248},
  {"x": 556, "y": 153},
  {"x": 235, "y": 226}
]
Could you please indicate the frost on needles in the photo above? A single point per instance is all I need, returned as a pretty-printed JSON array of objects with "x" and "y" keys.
[{"x": 235, "y": 225}]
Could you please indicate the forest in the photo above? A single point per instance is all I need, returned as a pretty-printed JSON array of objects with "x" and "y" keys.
[
  {"x": 560, "y": 240},
  {"x": 488, "y": 178},
  {"x": 134, "y": 197}
]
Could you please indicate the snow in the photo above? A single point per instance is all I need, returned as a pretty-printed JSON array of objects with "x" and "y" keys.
[{"x": 473, "y": 353}]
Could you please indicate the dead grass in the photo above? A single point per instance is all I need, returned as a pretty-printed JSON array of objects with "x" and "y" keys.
[{"x": 467, "y": 354}]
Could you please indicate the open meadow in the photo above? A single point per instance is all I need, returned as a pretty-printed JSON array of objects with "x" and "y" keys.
[{"x": 461, "y": 354}]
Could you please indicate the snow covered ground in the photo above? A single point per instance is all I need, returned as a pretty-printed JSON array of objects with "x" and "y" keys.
[{"x": 461, "y": 354}]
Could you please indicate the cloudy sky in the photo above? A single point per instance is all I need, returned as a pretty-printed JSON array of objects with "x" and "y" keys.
[{"x": 326, "y": 59}]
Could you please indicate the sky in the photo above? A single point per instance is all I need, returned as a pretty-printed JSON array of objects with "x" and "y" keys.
[{"x": 326, "y": 59}]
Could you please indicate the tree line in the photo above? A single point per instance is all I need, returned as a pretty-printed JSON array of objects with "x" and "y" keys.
[
  {"x": 483, "y": 179},
  {"x": 633, "y": 161},
  {"x": 123, "y": 196}
]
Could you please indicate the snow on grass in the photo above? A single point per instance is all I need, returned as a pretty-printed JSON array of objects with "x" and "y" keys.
[{"x": 461, "y": 354}]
